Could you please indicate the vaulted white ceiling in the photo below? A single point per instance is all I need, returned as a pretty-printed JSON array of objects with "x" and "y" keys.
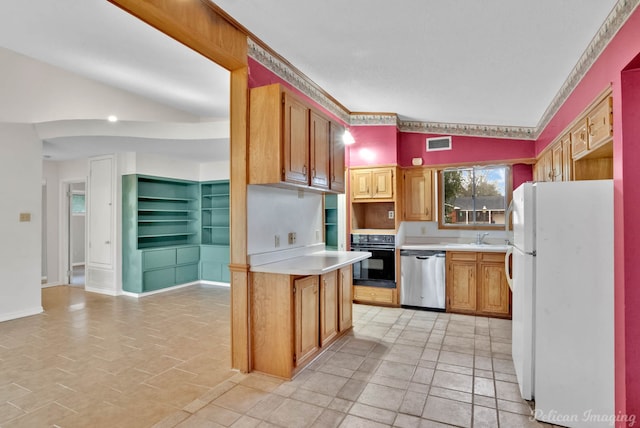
[{"x": 492, "y": 62}]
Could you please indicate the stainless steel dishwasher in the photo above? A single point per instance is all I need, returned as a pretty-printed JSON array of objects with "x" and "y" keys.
[{"x": 423, "y": 279}]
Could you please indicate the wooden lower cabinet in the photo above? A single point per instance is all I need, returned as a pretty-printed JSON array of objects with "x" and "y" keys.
[
  {"x": 477, "y": 285},
  {"x": 329, "y": 303},
  {"x": 494, "y": 295},
  {"x": 294, "y": 318},
  {"x": 307, "y": 311},
  {"x": 345, "y": 290},
  {"x": 461, "y": 282}
]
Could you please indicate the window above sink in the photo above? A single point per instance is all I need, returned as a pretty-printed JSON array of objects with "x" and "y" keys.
[{"x": 474, "y": 197}]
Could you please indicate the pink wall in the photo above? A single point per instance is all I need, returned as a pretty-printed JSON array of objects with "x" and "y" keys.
[
  {"x": 374, "y": 145},
  {"x": 464, "y": 149}
]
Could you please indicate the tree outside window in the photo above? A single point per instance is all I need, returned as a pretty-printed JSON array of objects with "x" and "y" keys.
[{"x": 474, "y": 196}]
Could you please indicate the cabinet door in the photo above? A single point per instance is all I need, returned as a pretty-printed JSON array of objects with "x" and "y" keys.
[
  {"x": 600, "y": 123},
  {"x": 345, "y": 305},
  {"x": 461, "y": 282},
  {"x": 493, "y": 289},
  {"x": 556, "y": 162},
  {"x": 546, "y": 162},
  {"x": 382, "y": 181},
  {"x": 579, "y": 138},
  {"x": 319, "y": 150},
  {"x": 336, "y": 169},
  {"x": 295, "y": 141},
  {"x": 418, "y": 203},
  {"x": 361, "y": 183},
  {"x": 307, "y": 318},
  {"x": 328, "y": 307},
  {"x": 567, "y": 159}
]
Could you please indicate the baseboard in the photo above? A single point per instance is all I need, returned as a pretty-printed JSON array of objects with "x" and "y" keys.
[
  {"x": 51, "y": 284},
  {"x": 21, "y": 314},
  {"x": 220, "y": 284},
  {"x": 163, "y": 290},
  {"x": 101, "y": 291}
]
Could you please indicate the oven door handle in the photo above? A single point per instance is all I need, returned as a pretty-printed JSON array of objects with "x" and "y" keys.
[{"x": 373, "y": 249}]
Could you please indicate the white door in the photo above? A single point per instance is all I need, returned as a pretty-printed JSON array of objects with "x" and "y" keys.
[{"x": 100, "y": 213}]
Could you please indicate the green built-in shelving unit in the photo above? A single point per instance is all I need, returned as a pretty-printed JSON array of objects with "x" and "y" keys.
[
  {"x": 166, "y": 225},
  {"x": 331, "y": 221},
  {"x": 215, "y": 230}
]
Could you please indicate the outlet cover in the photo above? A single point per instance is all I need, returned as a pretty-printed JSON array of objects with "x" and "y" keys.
[
  {"x": 277, "y": 241},
  {"x": 292, "y": 238},
  {"x": 391, "y": 215},
  {"x": 25, "y": 216}
]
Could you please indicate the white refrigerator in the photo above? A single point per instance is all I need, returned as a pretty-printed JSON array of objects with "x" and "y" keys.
[{"x": 562, "y": 284}]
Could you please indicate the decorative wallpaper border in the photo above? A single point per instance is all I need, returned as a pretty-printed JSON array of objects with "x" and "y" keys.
[
  {"x": 285, "y": 72},
  {"x": 616, "y": 19},
  {"x": 491, "y": 131}
]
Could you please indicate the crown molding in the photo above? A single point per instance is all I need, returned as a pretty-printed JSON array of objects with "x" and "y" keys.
[
  {"x": 615, "y": 20},
  {"x": 292, "y": 76},
  {"x": 491, "y": 131}
]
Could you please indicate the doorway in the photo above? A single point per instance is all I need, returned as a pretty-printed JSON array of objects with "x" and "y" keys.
[{"x": 76, "y": 233}]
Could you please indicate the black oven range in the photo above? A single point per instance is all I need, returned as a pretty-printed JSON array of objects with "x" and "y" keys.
[{"x": 380, "y": 269}]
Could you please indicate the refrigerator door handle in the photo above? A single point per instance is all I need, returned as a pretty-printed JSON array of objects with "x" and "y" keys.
[
  {"x": 507, "y": 217},
  {"x": 507, "y": 270}
]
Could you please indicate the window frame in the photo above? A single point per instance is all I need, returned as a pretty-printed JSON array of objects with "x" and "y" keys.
[{"x": 508, "y": 182}]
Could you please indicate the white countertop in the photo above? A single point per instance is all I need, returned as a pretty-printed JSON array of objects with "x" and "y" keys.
[
  {"x": 497, "y": 248},
  {"x": 317, "y": 263}
]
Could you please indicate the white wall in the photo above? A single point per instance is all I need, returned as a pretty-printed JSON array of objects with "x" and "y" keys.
[
  {"x": 273, "y": 211},
  {"x": 33, "y": 91},
  {"x": 20, "y": 247},
  {"x": 215, "y": 171}
]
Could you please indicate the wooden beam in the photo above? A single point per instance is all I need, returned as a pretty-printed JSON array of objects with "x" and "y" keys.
[{"x": 196, "y": 24}]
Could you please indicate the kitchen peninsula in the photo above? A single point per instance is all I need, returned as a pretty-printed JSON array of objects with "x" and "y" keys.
[{"x": 299, "y": 306}]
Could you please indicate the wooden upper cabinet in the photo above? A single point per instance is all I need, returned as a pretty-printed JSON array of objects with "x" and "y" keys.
[
  {"x": 337, "y": 159},
  {"x": 418, "y": 194},
  {"x": 579, "y": 140},
  {"x": 296, "y": 140},
  {"x": 544, "y": 167},
  {"x": 290, "y": 143},
  {"x": 567, "y": 158},
  {"x": 556, "y": 162},
  {"x": 320, "y": 135},
  {"x": 372, "y": 183},
  {"x": 600, "y": 123}
]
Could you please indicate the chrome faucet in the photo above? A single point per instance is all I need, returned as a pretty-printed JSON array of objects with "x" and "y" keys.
[{"x": 480, "y": 238}]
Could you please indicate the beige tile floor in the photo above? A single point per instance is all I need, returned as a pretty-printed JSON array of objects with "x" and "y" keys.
[{"x": 99, "y": 361}]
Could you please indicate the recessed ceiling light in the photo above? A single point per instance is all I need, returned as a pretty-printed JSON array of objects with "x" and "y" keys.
[{"x": 112, "y": 118}]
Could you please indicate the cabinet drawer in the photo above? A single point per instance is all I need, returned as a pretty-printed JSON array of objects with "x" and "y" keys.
[
  {"x": 188, "y": 255},
  {"x": 215, "y": 253},
  {"x": 492, "y": 257},
  {"x": 158, "y": 258},
  {"x": 186, "y": 273},
  {"x": 469, "y": 256},
  {"x": 373, "y": 294},
  {"x": 159, "y": 278}
]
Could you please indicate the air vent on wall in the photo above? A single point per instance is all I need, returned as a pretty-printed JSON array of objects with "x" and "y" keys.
[{"x": 438, "y": 143}]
